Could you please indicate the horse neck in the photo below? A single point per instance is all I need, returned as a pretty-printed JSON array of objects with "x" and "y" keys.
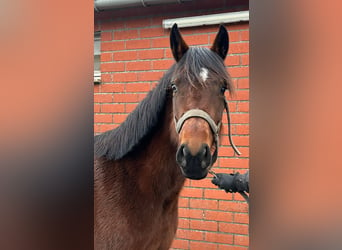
[{"x": 156, "y": 169}]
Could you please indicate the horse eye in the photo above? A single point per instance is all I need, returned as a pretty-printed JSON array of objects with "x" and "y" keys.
[
  {"x": 174, "y": 88},
  {"x": 223, "y": 89}
]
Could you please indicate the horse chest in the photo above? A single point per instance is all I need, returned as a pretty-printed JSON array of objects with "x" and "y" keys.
[{"x": 136, "y": 215}]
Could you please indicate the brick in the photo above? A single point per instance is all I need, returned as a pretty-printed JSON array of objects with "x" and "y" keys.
[
  {"x": 101, "y": 118},
  {"x": 113, "y": 108},
  {"x": 138, "y": 23},
  {"x": 138, "y": 44},
  {"x": 233, "y": 206},
  {"x": 204, "y": 225},
  {"x": 168, "y": 53},
  {"x": 112, "y": 88},
  {"x": 125, "y": 77},
  {"x": 234, "y": 162},
  {"x": 112, "y": 25},
  {"x": 191, "y": 213},
  {"x": 218, "y": 215},
  {"x": 106, "y": 57},
  {"x": 242, "y": 129},
  {"x": 97, "y": 128},
  {"x": 189, "y": 234},
  {"x": 232, "y": 60},
  {"x": 163, "y": 64},
  {"x": 103, "y": 98},
  {"x": 238, "y": 48},
  {"x": 205, "y": 183},
  {"x": 241, "y": 240},
  {"x": 158, "y": 20},
  {"x": 183, "y": 223},
  {"x": 106, "y": 78},
  {"x": 152, "y": 32},
  {"x": 112, "y": 67},
  {"x": 119, "y": 118},
  {"x": 150, "y": 76},
  {"x": 217, "y": 194},
  {"x": 197, "y": 245},
  {"x": 180, "y": 244},
  {"x": 151, "y": 54},
  {"x": 138, "y": 87},
  {"x": 204, "y": 204},
  {"x": 243, "y": 107},
  {"x": 241, "y": 218},
  {"x": 243, "y": 83},
  {"x": 106, "y": 36},
  {"x": 125, "y": 34},
  {"x": 239, "y": 71},
  {"x": 238, "y": 197},
  {"x": 225, "y": 151},
  {"x": 244, "y": 35},
  {"x": 197, "y": 40},
  {"x": 219, "y": 238},
  {"x": 125, "y": 55},
  {"x": 241, "y": 95},
  {"x": 125, "y": 98},
  {"x": 97, "y": 88},
  {"x": 97, "y": 108},
  {"x": 129, "y": 107},
  {"x": 106, "y": 127},
  {"x": 192, "y": 192},
  {"x": 244, "y": 151},
  {"x": 138, "y": 66},
  {"x": 237, "y": 26},
  {"x": 244, "y": 59},
  {"x": 233, "y": 228},
  {"x": 161, "y": 42},
  {"x": 187, "y": 183},
  {"x": 112, "y": 46},
  {"x": 239, "y": 118},
  {"x": 141, "y": 96},
  {"x": 183, "y": 202},
  {"x": 241, "y": 140},
  {"x": 230, "y": 247}
]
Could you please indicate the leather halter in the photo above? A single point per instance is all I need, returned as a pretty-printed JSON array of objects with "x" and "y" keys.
[{"x": 214, "y": 127}]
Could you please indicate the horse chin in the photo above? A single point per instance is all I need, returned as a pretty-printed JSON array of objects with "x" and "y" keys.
[{"x": 194, "y": 175}]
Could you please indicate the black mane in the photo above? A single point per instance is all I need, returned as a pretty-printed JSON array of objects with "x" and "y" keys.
[{"x": 115, "y": 144}]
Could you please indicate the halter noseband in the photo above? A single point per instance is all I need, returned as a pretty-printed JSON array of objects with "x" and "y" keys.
[
  {"x": 204, "y": 115},
  {"x": 214, "y": 127}
]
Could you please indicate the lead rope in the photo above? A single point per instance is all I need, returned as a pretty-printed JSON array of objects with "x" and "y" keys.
[
  {"x": 229, "y": 128},
  {"x": 243, "y": 194}
]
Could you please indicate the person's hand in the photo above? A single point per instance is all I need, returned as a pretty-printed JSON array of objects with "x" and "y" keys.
[{"x": 225, "y": 181}]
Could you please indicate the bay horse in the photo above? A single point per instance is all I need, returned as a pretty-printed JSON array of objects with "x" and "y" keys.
[{"x": 141, "y": 166}]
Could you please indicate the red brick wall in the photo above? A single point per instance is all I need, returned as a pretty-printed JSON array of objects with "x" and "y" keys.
[{"x": 135, "y": 54}]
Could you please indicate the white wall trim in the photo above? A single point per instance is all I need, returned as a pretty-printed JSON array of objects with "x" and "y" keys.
[{"x": 193, "y": 21}]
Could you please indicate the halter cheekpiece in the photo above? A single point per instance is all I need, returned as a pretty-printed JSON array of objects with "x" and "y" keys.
[{"x": 214, "y": 127}]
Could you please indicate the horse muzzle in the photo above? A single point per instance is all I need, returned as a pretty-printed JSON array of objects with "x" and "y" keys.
[{"x": 194, "y": 165}]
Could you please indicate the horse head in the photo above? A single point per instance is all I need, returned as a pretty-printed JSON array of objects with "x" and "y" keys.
[{"x": 198, "y": 86}]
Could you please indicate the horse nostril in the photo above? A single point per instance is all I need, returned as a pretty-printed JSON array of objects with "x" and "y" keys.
[
  {"x": 181, "y": 155},
  {"x": 204, "y": 152},
  {"x": 185, "y": 151},
  {"x": 183, "y": 163}
]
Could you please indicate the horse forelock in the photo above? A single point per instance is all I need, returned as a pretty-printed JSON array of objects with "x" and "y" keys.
[{"x": 200, "y": 65}]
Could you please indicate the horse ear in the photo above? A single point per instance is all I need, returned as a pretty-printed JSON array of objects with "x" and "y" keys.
[
  {"x": 221, "y": 43},
  {"x": 178, "y": 46}
]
